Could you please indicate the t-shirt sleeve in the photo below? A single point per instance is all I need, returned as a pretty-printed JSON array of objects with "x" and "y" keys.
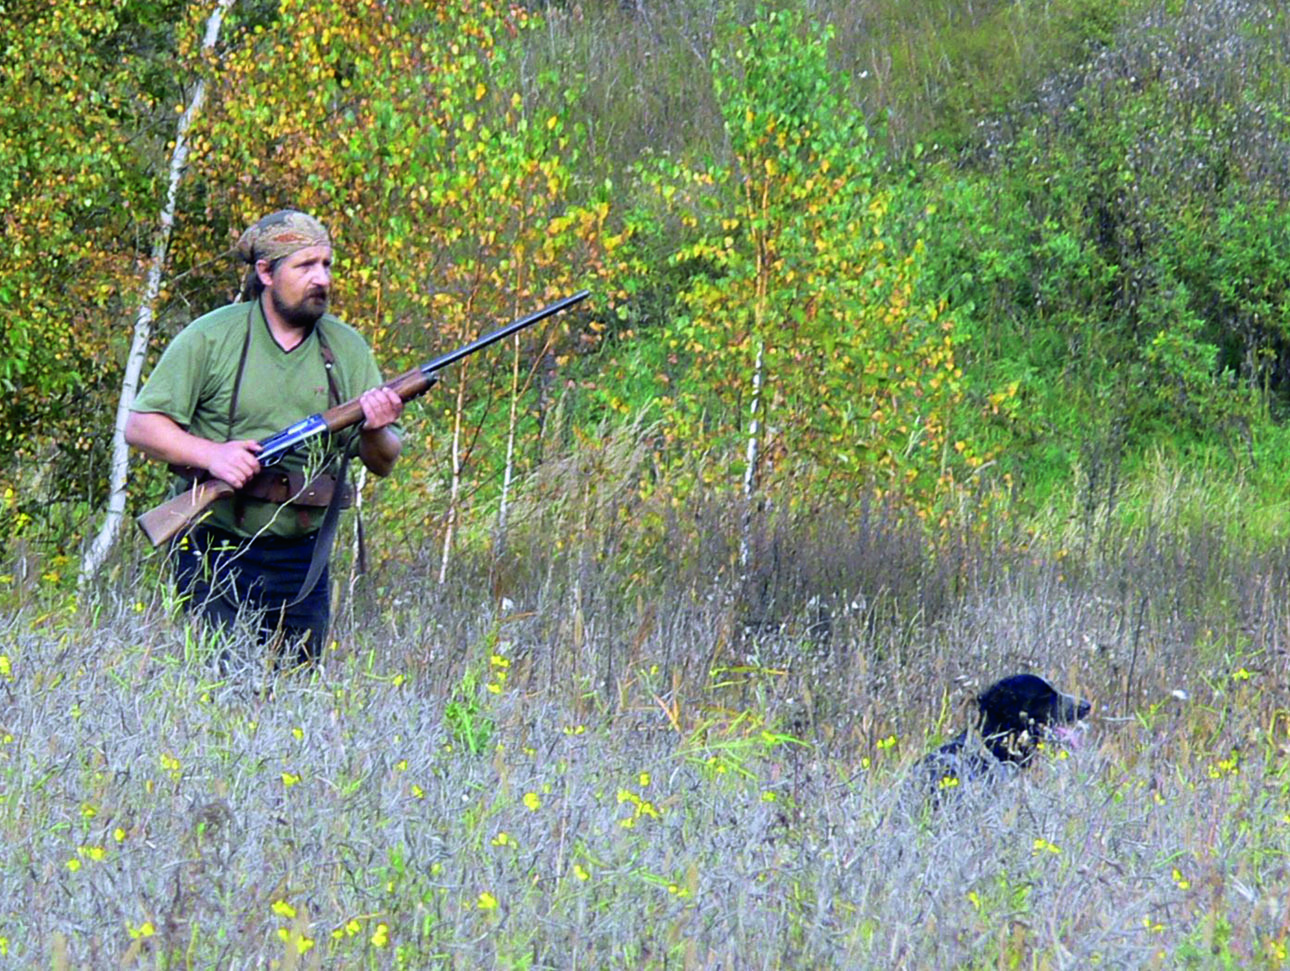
[{"x": 175, "y": 386}]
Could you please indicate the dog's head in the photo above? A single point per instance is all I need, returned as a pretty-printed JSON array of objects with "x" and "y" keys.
[{"x": 1019, "y": 712}]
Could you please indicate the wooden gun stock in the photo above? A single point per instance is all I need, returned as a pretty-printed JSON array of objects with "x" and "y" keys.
[{"x": 166, "y": 521}]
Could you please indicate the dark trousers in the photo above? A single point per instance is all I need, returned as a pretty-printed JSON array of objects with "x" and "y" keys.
[{"x": 221, "y": 578}]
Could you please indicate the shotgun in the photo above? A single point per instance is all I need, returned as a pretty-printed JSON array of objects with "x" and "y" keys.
[{"x": 171, "y": 517}]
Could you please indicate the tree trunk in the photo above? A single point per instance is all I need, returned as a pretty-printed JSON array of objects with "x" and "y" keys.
[
  {"x": 111, "y": 529},
  {"x": 752, "y": 457},
  {"x": 508, "y": 475},
  {"x": 454, "y": 494}
]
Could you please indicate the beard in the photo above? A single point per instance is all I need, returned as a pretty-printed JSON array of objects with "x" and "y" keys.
[{"x": 305, "y": 312}]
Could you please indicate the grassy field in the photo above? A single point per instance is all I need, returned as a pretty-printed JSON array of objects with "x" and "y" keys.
[
  {"x": 611, "y": 745},
  {"x": 585, "y": 769}
]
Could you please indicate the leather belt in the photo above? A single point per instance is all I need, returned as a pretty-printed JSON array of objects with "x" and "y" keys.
[{"x": 282, "y": 488}]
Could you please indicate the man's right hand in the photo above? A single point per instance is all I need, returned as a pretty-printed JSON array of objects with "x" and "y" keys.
[
  {"x": 234, "y": 462},
  {"x": 162, "y": 438}
]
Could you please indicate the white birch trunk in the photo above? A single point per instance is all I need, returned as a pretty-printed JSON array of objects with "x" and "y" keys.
[
  {"x": 751, "y": 457},
  {"x": 455, "y": 492},
  {"x": 360, "y": 482},
  {"x": 508, "y": 475},
  {"x": 111, "y": 529}
]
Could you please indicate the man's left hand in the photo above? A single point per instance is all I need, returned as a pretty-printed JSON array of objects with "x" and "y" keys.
[{"x": 381, "y": 407}]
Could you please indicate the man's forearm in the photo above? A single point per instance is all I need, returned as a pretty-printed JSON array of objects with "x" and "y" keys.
[
  {"x": 379, "y": 449},
  {"x": 160, "y": 437}
]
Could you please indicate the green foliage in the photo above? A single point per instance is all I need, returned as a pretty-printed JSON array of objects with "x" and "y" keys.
[
  {"x": 466, "y": 715},
  {"x": 1064, "y": 246},
  {"x": 1239, "y": 265},
  {"x": 1122, "y": 252},
  {"x": 466, "y": 719},
  {"x": 76, "y": 185}
]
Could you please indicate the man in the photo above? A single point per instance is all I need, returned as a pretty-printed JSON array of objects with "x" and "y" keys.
[{"x": 237, "y": 375}]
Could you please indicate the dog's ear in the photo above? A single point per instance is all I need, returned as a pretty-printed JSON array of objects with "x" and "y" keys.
[
  {"x": 997, "y": 705},
  {"x": 1049, "y": 712},
  {"x": 1011, "y": 705},
  {"x": 1034, "y": 700}
]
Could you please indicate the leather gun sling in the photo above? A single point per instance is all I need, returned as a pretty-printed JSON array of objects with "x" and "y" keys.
[{"x": 326, "y": 535}]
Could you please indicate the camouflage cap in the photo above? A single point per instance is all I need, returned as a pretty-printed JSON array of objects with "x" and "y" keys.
[{"x": 280, "y": 234}]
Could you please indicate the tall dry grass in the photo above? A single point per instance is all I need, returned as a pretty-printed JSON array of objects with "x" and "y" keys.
[{"x": 607, "y": 753}]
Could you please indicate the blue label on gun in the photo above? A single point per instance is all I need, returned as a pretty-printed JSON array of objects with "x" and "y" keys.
[{"x": 273, "y": 448}]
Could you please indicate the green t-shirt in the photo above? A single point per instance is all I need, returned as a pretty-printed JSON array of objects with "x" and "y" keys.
[{"x": 193, "y": 382}]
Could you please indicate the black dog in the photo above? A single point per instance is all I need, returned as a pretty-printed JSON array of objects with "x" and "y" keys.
[{"x": 1014, "y": 716}]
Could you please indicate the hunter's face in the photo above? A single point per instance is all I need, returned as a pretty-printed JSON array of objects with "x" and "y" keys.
[{"x": 301, "y": 285}]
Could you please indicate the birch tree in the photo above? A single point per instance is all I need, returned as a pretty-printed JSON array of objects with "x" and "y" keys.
[
  {"x": 814, "y": 365},
  {"x": 143, "y": 321}
]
